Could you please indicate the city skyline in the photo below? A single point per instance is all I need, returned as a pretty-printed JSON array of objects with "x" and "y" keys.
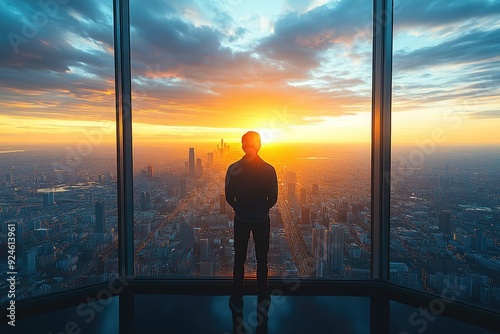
[{"x": 444, "y": 217}]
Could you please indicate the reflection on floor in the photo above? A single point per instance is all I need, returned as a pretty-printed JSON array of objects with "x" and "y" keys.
[{"x": 154, "y": 313}]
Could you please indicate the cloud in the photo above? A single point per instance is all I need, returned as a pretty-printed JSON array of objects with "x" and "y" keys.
[
  {"x": 188, "y": 70},
  {"x": 314, "y": 60},
  {"x": 472, "y": 47},
  {"x": 70, "y": 51},
  {"x": 56, "y": 62},
  {"x": 299, "y": 39},
  {"x": 487, "y": 114},
  {"x": 53, "y": 40},
  {"x": 447, "y": 53},
  {"x": 176, "y": 47},
  {"x": 437, "y": 13}
]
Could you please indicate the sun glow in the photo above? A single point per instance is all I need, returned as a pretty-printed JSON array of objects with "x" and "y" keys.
[{"x": 267, "y": 67}]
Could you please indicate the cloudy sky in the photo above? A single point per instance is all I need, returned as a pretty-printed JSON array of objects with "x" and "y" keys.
[{"x": 295, "y": 70}]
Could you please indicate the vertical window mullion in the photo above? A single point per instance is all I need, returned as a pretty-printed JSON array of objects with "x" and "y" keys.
[
  {"x": 381, "y": 136},
  {"x": 124, "y": 137}
]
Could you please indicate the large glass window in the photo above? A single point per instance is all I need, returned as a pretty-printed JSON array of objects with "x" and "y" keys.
[
  {"x": 57, "y": 147},
  {"x": 445, "y": 156},
  {"x": 204, "y": 73}
]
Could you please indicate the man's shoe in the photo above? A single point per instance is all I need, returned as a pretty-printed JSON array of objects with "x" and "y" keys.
[{"x": 236, "y": 304}]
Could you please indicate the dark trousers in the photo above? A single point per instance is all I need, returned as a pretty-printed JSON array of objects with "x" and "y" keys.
[{"x": 260, "y": 232}]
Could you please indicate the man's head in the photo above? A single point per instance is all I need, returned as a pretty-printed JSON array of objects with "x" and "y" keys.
[{"x": 250, "y": 142}]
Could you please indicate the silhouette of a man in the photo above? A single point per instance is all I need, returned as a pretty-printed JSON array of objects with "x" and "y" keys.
[{"x": 251, "y": 189}]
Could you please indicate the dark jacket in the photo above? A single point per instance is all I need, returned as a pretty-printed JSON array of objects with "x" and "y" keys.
[{"x": 251, "y": 188}]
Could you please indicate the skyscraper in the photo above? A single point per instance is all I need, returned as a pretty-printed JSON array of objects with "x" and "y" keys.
[
  {"x": 186, "y": 236},
  {"x": 100, "y": 217},
  {"x": 479, "y": 240},
  {"x": 319, "y": 243},
  {"x": 445, "y": 221},
  {"x": 48, "y": 199},
  {"x": 336, "y": 249},
  {"x": 291, "y": 192},
  {"x": 306, "y": 216},
  {"x": 303, "y": 196},
  {"x": 31, "y": 261},
  {"x": 191, "y": 162},
  {"x": 199, "y": 168},
  {"x": 222, "y": 152},
  {"x": 145, "y": 201},
  {"x": 149, "y": 172}
]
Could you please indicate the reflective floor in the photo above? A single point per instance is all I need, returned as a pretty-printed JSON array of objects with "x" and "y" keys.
[{"x": 155, "y": 313}]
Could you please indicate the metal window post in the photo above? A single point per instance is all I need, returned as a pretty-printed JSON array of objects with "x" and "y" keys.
[
  {"x": 124, "y": 138},
  {"x": 381, "y": 136}
]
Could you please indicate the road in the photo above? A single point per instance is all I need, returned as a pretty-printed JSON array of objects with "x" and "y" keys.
[{"x": 301, "y": 255}]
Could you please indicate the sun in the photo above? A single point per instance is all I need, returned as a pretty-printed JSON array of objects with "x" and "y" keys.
[{"x": 267, "y": 136}]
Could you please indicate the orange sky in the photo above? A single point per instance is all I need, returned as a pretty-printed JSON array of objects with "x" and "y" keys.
[{"x": 294, "y": 72}]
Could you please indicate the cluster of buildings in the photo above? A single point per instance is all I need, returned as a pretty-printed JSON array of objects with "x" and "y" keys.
[{"x": 444, "y": 222}]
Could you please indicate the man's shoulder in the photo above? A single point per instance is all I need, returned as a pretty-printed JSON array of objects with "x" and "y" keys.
[
  {"x": 234, "y": 166},
  {"x": 236, "y": 163},
  {"x": 268, "y": 165},
  {"x": 242, "y": 163},
  {"x": 263, "y": 161}
]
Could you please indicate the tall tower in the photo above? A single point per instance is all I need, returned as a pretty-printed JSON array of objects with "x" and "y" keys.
[
  {"x": 191, "y": 162},
  {"x": 319, "y": 243},
  {"x": 31, "y": 261},
  {"x": 303, "y": 196},
  {"x": 48, "y": 199},
  {"x": 186, "y": 236},
  {"x": 336, "y": 249},
  {"x": 149, "y": 172},
  {"x": 222, "y": 152},
  {"x": 291, "y": 192},
  {"x": 100, "y": 217},
  {"x": 145, "y": 201},
  {"x": 199, "y": 169}
]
